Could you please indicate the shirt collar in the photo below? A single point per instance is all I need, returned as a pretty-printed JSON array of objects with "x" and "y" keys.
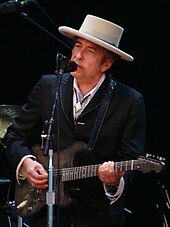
[{"x": 92, "y": 91}]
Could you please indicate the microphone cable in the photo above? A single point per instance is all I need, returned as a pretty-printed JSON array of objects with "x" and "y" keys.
[{"x": 25, "y": 16}]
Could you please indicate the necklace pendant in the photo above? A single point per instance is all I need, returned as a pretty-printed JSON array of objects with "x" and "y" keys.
[{"x": 77, "y": 107}]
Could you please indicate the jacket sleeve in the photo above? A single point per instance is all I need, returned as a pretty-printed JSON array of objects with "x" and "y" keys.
[
  {"x": 133, "y": 138},
  {"x": 18, "y": 134}
]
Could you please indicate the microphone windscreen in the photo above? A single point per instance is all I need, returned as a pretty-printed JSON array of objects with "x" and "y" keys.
[{"x": 70, "y": 66}]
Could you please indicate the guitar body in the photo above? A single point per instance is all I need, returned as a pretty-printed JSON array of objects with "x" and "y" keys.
[{"x": 30, "y": 200}]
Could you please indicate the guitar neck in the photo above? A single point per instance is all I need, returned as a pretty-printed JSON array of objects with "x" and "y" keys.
[{"x": 80, "y": 172}]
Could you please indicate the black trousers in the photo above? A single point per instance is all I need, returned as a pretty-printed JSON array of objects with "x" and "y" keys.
[
  {"x": 75, "y": 217},
  {"x": 63, "y": 218}
]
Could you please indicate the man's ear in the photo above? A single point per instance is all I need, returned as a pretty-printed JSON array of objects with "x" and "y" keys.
[{"x": 107, "y": 64}]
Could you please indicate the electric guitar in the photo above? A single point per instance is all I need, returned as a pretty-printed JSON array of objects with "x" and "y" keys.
[{"x": 30, "y": 200}]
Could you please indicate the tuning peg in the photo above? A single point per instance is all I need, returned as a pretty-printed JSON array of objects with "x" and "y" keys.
[
  {"x": 162, "y": 159},
  {"x": 149, "y": 155},
  {"x": 155, "y": 157}
]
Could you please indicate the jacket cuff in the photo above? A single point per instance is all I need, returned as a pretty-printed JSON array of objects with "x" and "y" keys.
[
  {"x": 115, "y": 192},
  {"x": 19, "y": 175}
]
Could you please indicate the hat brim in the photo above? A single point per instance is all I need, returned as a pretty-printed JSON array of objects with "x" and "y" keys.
[{"x": 73, "y": 33}]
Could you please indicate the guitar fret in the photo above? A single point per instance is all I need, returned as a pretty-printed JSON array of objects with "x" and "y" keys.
[
  {"x": 89, "y": 172},
  {"x": 75, "y": 174},
  {"x": 121, "y": 167},
  {"x": 126, "y": 163},
  {"x": 95, "y": 172},
  {"x": 83, "y": 172},
  {"x": 78, "y": 173},
  {"x": 132, "y": 164},
  {"x": 115, "y": 167}
]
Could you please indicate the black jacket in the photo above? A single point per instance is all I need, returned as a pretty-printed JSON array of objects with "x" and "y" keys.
[{"x": 121, "y": 137}]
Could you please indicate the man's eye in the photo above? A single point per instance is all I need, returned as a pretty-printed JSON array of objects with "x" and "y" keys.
[
  {"x": 92, "y": 51},
  {"x": 77, "y": 45}
]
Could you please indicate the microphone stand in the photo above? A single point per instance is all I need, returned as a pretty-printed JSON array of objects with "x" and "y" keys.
[{"x": 48, "y": 150}]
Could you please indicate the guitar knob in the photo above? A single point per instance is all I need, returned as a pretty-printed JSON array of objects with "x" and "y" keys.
[
  {"x": 22, "y": 204},
  {"x": 29, "y": 209}
]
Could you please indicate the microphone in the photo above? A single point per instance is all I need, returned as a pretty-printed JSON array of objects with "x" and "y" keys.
[
  {"x": 12, "y": 6},
  {"x": 69, "y": 66}
]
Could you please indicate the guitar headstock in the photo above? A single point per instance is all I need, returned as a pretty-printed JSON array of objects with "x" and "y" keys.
[{"x": 150, "y": 163}]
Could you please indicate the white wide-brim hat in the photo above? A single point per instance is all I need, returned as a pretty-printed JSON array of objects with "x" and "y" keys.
[{"x": 99, "y": 31}]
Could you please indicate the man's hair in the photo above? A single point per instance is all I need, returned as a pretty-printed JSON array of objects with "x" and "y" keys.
[{"x": 115, "y": 57}]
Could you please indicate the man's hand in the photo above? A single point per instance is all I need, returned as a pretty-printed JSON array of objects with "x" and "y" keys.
[
  {"x": 35, "y": 173},
  {"x": 107, "y": 174}
]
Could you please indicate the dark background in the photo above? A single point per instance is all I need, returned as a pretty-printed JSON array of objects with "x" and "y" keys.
[{"x": 27, "y": 52}]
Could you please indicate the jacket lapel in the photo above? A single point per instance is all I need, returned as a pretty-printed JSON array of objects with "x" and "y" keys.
[{"x": 66, "y": 97}]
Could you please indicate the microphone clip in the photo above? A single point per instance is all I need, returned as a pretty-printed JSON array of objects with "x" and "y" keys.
[{"x": 64, "y": 65}]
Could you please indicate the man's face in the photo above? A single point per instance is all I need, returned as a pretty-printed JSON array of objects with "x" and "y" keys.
[{"x": 89, "y": 58}]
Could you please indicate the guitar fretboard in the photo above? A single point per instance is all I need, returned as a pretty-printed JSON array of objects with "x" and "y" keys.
[{"x": 80, "y": 172}]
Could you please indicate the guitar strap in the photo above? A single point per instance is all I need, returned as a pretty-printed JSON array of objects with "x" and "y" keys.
[{"x": 101, "y": 114}]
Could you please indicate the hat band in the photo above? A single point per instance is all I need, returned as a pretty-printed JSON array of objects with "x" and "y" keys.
[{"x": 98, "y": 35}]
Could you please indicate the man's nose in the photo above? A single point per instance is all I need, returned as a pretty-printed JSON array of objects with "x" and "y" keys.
[{"x": 80, "y": 53}]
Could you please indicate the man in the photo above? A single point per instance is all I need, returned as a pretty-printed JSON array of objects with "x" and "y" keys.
[{"x": 80, "y": 97}]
